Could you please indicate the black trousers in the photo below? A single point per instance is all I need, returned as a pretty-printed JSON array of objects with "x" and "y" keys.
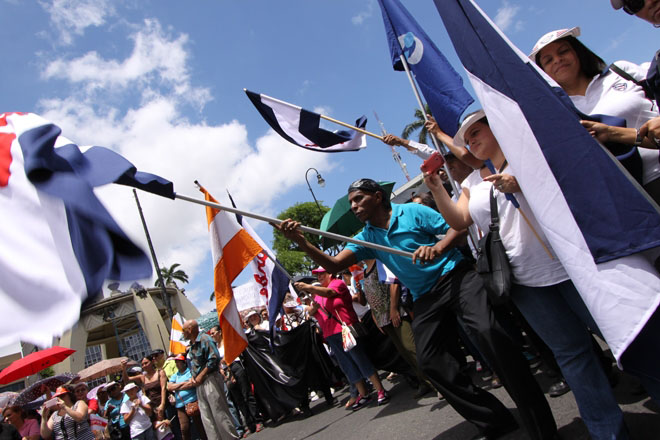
[
  {"x": 461, "y": 293},
  {"x": 243, "y": 397}
]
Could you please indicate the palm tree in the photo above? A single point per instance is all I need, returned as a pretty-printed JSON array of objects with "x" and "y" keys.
[
  {"x": 417, "y": 124},
  {"x": 171, "y": 275}
]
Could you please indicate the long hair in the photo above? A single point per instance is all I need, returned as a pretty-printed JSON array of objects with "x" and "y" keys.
[{"x": 590, "y": 63}]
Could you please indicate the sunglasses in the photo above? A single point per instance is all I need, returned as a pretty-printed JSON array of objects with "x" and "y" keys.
[{"x": 632, "y": 7}]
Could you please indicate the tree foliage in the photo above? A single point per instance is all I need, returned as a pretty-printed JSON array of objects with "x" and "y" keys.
[
  {"x": 171, "y": 275},
  {"x": 417, "y": 124},
  {"x": 293, "y": 260}
]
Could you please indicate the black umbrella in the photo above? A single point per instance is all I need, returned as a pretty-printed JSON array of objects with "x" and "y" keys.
[{"x": 35, "y": 390}]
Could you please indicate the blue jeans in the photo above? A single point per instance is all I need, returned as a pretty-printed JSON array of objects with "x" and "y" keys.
[
  {"x": 355, "y": 364},
  {"x": 558, "y": 315}
]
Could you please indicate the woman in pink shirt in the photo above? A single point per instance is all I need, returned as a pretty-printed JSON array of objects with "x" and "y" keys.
[
  {"x": 333, "y": 304},
  {"x": 28, "y": 428}
]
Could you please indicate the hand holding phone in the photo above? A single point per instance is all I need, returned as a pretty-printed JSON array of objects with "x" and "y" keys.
[
  {"x": 433, "y": 163},
  {"x": 50, "y": 404}
]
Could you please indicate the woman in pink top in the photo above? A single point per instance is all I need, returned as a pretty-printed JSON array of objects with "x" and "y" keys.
[
  {"x": 28, "y": 428},
  {"x": 333, "y": 304}
]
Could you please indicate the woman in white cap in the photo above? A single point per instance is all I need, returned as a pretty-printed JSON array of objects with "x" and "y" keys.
[
  {"x": 137, "y": 413},
  {"x": 542, "y": 290},
  {"x": 597, "y": 89}
]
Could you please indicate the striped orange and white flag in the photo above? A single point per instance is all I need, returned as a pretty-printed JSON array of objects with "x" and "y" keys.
[
  {"x": 232, "y": 248},
  {"x": 177, "y": 343}
]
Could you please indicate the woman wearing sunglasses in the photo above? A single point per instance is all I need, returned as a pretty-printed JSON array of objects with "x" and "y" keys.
[{"x": 648, "y": 10}]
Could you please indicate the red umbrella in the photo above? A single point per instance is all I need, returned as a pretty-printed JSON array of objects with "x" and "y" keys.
[{"x": 34, "y": 363}]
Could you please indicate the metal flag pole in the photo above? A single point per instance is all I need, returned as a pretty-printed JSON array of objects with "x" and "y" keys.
[
  {"x": 276, "y": 221},
  {"x": 327, "y": 118},
  {"x": 436, "y": 143},
  {"x": 163, "y": 289},
  {"x": 395, "y": 154}
]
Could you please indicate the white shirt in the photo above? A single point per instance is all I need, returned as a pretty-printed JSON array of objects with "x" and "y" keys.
[
  {"x": 530, "y": 263},
  {"x": 421, "y": 150},
  {"x": 140, "y": 421},
  {"x": 613, "y": 95}
]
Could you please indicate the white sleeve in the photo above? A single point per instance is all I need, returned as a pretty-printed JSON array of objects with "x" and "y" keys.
[
  {"x": 145, "y": 399},
  {"x": 637, "y": 71},
  {"x": 421, "y": 150},
  {"x": 126, "y": 407}
]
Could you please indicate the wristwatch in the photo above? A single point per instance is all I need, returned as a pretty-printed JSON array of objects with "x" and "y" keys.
[{"x": 638, "y": 139}]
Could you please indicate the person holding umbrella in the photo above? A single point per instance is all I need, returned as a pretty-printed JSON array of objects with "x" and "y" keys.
[
  {"x": 27, "y": 428},
  {"x": 67, "y": 419}
]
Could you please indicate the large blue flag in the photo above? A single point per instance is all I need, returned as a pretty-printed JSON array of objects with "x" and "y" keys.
[
  {"x": 602, "y": 226},
  {"x": 441, "y": 85},
  {"x": 59, "y": 243}
]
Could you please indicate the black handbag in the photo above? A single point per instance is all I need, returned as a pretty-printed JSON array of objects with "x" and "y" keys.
[{"x": 492, "y": 262}]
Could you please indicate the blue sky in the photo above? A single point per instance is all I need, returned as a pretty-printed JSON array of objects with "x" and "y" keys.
[{"x": 162, "y": 83}]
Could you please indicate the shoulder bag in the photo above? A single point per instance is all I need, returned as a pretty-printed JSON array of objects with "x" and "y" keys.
[{"x": 492, "y": 262}]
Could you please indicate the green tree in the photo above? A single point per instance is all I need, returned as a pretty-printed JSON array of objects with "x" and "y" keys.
[
  {"x": 171, "y": 275},
  {"x": 417, "y": 124},
  {"x": 293, "y": 260}
]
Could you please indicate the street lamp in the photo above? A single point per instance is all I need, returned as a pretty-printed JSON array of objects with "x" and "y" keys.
[{"x": 321, "y": 182}]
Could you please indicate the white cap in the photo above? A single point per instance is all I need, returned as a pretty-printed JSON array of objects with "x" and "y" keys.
[
  {"x": 129, "y": 386},
  {"x": 617, "y": 4},
  {"x": 459, "y": 138},
  {"x": 553, "y": 36},
  {"x": 109, "y": 385}
]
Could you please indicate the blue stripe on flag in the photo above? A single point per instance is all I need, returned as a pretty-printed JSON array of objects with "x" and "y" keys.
[
  {"x": 102, "y": 249},
  {"x": 441, "y": 85},
  {"x": 615, "y": 218}
]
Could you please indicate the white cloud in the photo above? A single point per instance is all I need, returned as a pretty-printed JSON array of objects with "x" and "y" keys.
[
  {"x": 505, "y": 17},
  {"x": 157, "y": 60},
  {"x": 158, "y": 137},
  {"x": 72, "y": 17},
  {"x": 363, "y": 15}
]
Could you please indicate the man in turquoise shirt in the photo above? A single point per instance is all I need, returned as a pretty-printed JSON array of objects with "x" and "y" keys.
[{"x": 442, "y": 285}]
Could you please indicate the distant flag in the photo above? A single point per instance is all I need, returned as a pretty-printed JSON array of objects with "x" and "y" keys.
[
  {"x": 274, "y": 284},
  {"x": 58, "y": 241},
  {"x": 595, "y": 217},
  {"x": 302, "y": 127},
  {"x": 232, "y": 248},
  {"x": 441, "y": 86},
  {"x": 177, "y": 343}
]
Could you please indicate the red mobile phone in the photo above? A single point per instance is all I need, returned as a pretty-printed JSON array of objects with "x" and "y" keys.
[{"x": 433, "y": 163}]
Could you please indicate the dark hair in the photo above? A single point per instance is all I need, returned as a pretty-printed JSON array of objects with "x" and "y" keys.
[
  {"x": 590, "y": 63},
  {"x": 15, "y": 409},
  {"x": 427, "y": 199},
  {"x": 370, "y": 185},
  {"x": 217, "y": 327}
]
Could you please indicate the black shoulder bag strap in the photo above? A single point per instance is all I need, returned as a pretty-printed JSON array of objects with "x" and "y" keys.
[{"x": 625, "y": 75}]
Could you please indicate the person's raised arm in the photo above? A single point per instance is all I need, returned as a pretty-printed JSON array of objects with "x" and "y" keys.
[
  {"x": 333, "y": 264},
  {"x": 315, "y": 290},
  {"x": 46, "y": 428},
  {"x": 461, "y": 153},
  {"x": 457, "y": 215},
  {"x": 77, "y": 412}
]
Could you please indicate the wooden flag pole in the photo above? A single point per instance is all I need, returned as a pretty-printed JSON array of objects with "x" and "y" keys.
[
  {"x": 276, "y": 221},
  {"x": 352, "y": 127},
  {"x": 536, "y": 234},
  {"x": 327, "y": 118}
]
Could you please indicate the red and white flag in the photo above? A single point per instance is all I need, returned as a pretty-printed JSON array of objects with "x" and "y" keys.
[{"x": 232, "y": 248}]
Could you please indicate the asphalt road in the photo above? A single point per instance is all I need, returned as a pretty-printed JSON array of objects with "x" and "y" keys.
[{"x": 429, "y": 418}]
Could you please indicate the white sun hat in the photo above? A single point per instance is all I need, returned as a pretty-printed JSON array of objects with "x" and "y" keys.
[
  {"x": 553, "y": 36},
  {"x": 459, "y": 137}
]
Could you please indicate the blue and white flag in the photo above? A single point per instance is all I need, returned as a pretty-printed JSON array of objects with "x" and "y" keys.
[
  {"x": 58, "y": 242},
  {"x": 601, "y": 225},
  {"x": 441, "y": 85},
  {"x": 302, "y": 127}
]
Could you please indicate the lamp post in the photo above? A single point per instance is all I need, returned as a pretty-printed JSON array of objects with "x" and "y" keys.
[{"x": 320, "y": 180}]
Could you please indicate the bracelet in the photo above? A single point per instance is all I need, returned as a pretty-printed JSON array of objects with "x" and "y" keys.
[{"x": 638, "y": 139}]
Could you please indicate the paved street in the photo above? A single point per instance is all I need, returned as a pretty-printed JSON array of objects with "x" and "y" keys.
[{"x": 430, "y": 418}]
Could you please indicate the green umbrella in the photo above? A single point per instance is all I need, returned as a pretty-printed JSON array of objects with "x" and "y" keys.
[{"x": 341, "y": 220}]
